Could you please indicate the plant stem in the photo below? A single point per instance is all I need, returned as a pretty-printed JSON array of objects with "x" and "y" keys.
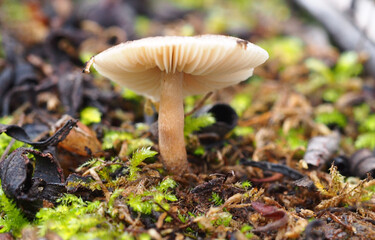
[{"x": 171, "y": 124}]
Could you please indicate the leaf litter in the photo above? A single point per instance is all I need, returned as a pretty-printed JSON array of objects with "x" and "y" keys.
[{"x": 287, "y": 154}]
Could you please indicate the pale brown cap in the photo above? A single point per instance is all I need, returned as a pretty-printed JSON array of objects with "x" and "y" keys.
[{"x": 209, "y": 62}]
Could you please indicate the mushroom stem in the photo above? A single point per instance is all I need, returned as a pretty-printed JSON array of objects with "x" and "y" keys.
[{"x": 171, "y": 124}]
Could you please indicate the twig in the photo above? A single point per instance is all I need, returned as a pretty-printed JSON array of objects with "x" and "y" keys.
[
  {"x": 96, "y": 177},
  {"x": 7, "y": 149},
  {"x": 273, "y": 178},
  {"x": 259, "y": 119},
  {"x": 273, "y": 167},
  {"x": 346, "y": 226},
  {"x": 199, "y": 104},
  {"x": 174, "y": 217},
  {"x": 168, "y": 212},
  {"x": 88, "y": 65}
]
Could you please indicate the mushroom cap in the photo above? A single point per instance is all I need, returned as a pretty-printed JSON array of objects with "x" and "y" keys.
[{"x": 209, "y": 62}]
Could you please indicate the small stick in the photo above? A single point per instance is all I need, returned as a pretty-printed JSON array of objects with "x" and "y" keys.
[
  {"x": 199, "y": 104},
  {"x": 273, "y": 178},
  {"x": 346, "y": 226},
  {"x": 96, "y": 177},
  {"x": 88, "y": 65},
  {"x": 168, "y": 212}
]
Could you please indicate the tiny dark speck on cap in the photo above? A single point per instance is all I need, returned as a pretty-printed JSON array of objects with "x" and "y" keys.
[{"x": 242, "y": 44}]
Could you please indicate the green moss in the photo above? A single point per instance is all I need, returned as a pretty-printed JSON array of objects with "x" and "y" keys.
[
  {"x": 90, "y": 115},
  {"x": 72, "y": 219},
  {"x": 332, "y": 95},
  {"x": 319, "y": 69},
  {"x": 361, "y": 112},
  {"x": 287, "y": 50},
  {"x": 365, "y": 140},
  {"x": 193, "y": 124},
  {"x": 246, "y": 229},
  {"x": 334, "y": 117},
  {"x": 243, "y": 131},
  {"x": 153, "y": 198},
  {"x": 368, "y": 124},
  {"x": 216, "y": 199},
  {"x": 138, "y": 157},
  {"x": 333, "y": 79},
  {"x": 167, "y": 184},
  {"x": 241, "y": 102},
  {"x": 130, "y": 95},
  {"x": 189, "y": 102},
  {"x": 144, "y": 236},
  {"x": 138, "y": 143},
  {"x": 347, "y": 66},
  {"x": 246, "y": 185},
  {"x": 224, "y": 219},
  {"x": 12, "y": 219},
  {"x": 183, "y": 218},
  {"x": 112, "y": 136},
  {"x": 294, "y": 138},
  {"x": 199, "y": 151}
]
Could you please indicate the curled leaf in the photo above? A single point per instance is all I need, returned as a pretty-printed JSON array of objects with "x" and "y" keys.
[
  {"x": 81, "y": 140},
  {"x": 362, "y": 162},
  {"x": 20, "y": 134},
  {"x": 279, "y": 215},
  {"x": 320, "y": 149},
  {"x": 31, "y": 186}
]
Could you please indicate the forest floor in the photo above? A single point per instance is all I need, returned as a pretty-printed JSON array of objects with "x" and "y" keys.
[{"x": 286, "y": 154}]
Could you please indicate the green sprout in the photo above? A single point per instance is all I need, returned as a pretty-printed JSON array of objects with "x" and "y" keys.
[
  {"x": 246, "y": 185},
  {"x": 216, "y": 199},
  {"x": 138, "y": 157},
  {"x": 183, "y": 218},
  {"x": 154, "y": 198},
  {"x": 246, "y": 229},
  {"x": 334, "y": 117},
  {"x": 365, "y": 140},
  {"x": 193, "y": 124},
  {"x": 224, "y": 219}
]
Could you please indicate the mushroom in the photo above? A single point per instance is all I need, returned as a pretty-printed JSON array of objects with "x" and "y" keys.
[{"x": 166, "y": 69}]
